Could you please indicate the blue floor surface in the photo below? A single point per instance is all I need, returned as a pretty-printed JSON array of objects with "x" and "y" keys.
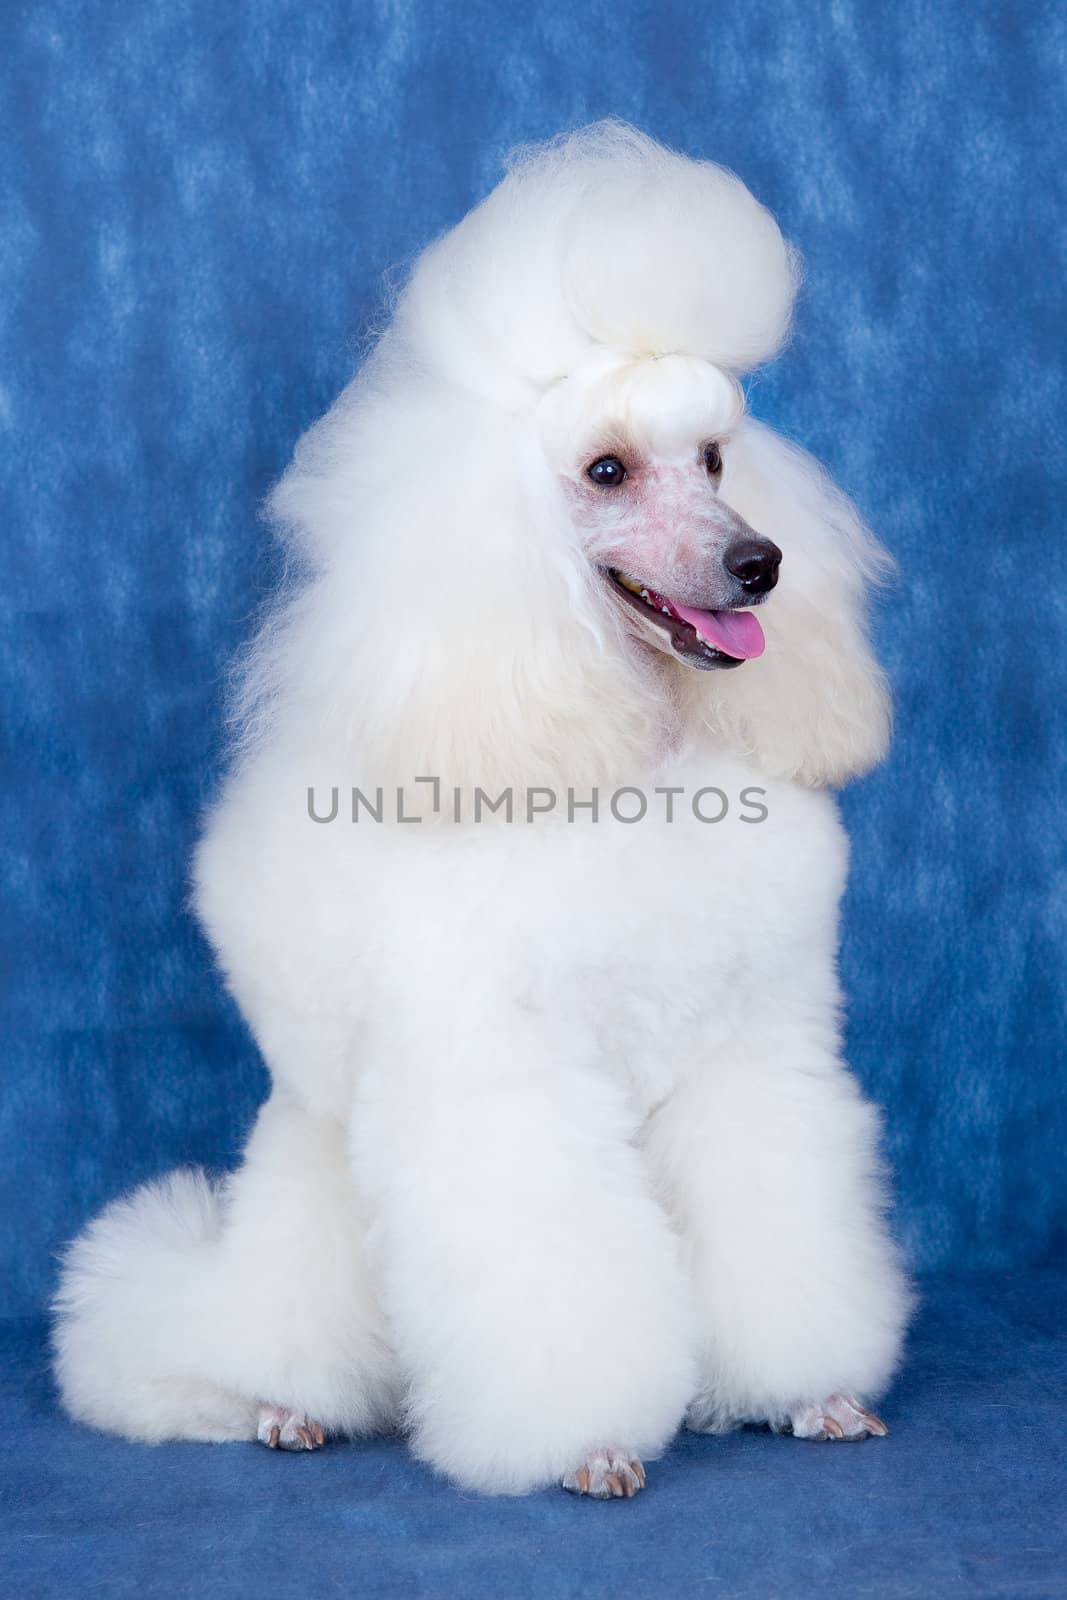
[{"x": 967, "y": 1496}]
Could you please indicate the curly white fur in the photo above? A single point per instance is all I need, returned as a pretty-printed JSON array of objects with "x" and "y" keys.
[{"x": 561, "y": 1147}]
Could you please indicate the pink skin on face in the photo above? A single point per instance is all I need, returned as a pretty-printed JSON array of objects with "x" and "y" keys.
[{"x": 665, "y": 526}]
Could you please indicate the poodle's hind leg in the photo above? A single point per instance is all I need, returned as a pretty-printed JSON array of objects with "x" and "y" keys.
[
  {"x": 313, "y": 1337},
  {"x": 134, "y": 1312},
  {"x": 189, "y": 1311}
]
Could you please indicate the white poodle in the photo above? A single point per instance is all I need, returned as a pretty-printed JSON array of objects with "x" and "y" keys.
[{"x": 531, "y": 905}]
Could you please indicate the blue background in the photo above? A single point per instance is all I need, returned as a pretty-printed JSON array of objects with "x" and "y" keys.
[{"x": 199, "y": 207}]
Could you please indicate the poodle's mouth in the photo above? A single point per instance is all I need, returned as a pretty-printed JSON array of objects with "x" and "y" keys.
[{"x": 704, "y": 639}]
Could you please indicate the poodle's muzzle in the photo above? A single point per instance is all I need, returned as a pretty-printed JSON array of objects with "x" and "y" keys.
[{"x": 720, "y": 631}]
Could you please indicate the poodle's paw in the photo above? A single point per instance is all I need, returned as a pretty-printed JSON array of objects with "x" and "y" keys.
[
  {"x": 608, "y": 1474},
  {"x": 282, "y": 1429},
  {"x": 841, "y": 1416}
]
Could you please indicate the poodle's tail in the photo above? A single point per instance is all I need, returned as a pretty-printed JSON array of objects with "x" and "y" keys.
[{"x": 136, "y": 1313}]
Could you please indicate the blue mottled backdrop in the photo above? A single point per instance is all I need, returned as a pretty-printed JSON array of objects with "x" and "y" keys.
[{"x": 199, "y": 202}]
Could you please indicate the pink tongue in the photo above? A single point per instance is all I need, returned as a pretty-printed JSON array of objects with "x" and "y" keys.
[{"x": 735, "y": 633}]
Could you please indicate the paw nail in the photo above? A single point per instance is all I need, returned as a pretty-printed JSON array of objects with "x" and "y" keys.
[{"x": 834, "y": 1429}]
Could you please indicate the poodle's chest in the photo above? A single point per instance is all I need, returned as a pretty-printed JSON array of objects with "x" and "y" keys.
[
  {"x": 656, "y": 940},
  {"x": 651, "y": 958},
  {"x": 641, "y": 945}
]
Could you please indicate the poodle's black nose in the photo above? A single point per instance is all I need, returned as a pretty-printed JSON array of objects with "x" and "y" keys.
[{"x": 754, "y": 562}]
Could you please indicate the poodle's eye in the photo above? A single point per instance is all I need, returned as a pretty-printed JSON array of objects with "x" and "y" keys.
[
  {"x": 607, "y": 473},
  {"x": 713, "y": 460}
]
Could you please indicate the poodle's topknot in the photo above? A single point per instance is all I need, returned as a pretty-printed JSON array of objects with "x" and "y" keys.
[
  {"x": 602, "y": 237},
  {"x": 507, "y": 662}
]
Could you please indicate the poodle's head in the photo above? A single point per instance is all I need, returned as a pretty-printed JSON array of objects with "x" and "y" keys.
[
  {"x": 539, "y": 521},
  {"x": 640, "y": 448}
]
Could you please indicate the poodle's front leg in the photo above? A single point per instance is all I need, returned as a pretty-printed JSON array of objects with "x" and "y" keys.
[
  {"x": 532, "y": 1284},
  {"x": 769, "y": 1156}
]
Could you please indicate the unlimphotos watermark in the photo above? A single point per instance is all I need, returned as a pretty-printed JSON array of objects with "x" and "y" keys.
[{"x": 628, "y": 804}]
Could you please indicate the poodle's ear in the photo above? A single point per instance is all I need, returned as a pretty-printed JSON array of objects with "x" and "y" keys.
[
  {"x": 815, "y": 706},
  {"x": 448, "y": 626}
]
